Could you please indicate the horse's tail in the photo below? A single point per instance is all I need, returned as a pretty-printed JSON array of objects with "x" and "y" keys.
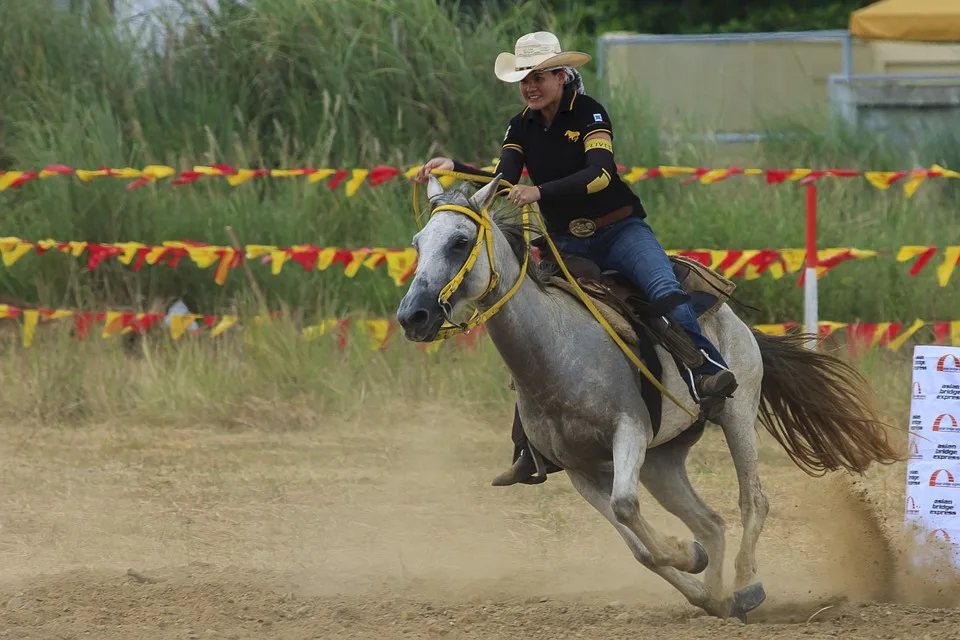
[{"x": 819, "y": 408}]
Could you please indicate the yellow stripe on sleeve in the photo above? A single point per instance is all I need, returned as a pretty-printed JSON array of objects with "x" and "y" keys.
[{"x": 599, "y": 183}]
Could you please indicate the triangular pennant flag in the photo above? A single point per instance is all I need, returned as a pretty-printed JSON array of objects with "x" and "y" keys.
[
  {"x": 358, "y": 257},
  {"x": 909, "y": 252},
  {"x": 204, "y": 257},
  {"x": 30, "y": 319},
  {"x": 130, "y": 250},
  {"x": 277, "y": 258},
  {"x": 740, "y": 262},
  {"x": 287, "y": 173},
  {"x": 325, "y": 258},
  {"x": 635, "y": 174},
  {"x": 13, "y": 249},
  {"x": 254, "y": 251},
  {"x": 225, "y": 323},
  {"x": 950, "y": 261},
  {"x": 179, "y": 324},
  {"x": 379, "y": 333},
  {"x": 228, "y": 258},
  {"x": 882, "y": 179},
  {"x": 359, "y": 175},
  {"x": 898, "y": 342},
  {"x": 673, "y": 172},
  {"x": 401, "y": 264},
  {"x": 320, "y": 175},
  {"x": 778, "y": 329},
  {"x": 825, "y": 328},
  {"x": 241, "y": 176},
  {"x": 9, "y": 179},
  {"x": 114, "y": 323},
  {"x": 56, "y": 314}
]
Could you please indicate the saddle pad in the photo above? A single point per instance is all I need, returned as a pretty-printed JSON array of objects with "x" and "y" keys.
[{"x": 620, "y": 325}]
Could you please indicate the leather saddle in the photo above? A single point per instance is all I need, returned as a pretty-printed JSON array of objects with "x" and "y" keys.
[{"x": 631, "y": 313}]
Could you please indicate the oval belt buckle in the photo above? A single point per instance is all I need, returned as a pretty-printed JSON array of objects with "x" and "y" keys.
[{"x": 582, "y": 227}]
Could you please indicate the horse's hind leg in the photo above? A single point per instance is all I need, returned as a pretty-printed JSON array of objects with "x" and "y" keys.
[
  {"x": 629, "y": 449},
  {"x": 596, "y": 490},
  {"x": 665, "y": 476},
  {"x": 737, "y": 421}
]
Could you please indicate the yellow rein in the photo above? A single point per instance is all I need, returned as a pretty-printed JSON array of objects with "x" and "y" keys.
[{"x": 485, "y": 235}]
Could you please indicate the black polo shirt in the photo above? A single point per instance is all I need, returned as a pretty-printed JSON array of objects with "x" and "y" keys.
[{"x": 554, "y": 152}]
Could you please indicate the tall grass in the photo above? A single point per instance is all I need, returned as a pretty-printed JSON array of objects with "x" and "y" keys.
[
  {"x": 268, "y": 378},
  {"x": 346, "y": 83}
]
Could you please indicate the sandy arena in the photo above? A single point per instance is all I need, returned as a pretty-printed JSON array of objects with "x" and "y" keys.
[{"x": 387, "y": 527}]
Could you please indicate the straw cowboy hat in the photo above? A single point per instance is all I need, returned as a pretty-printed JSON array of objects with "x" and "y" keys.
[{"x": 533, "y": 52}]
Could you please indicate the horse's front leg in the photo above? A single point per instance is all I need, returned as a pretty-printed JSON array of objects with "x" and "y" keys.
[
  {"x": 596, "y": 488},
  {"x": 629, "y": 451}
]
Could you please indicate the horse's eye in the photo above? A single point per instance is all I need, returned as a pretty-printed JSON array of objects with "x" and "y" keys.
[{"x": 461, "y": 241}]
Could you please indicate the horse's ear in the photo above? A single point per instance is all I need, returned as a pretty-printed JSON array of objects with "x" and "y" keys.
[
  {"x": 434, "y": 188},
  {"x": 484, "y": 196}
]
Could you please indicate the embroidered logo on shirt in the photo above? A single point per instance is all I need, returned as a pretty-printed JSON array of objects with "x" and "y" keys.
[
  {"x": 597, "y": 117},
  {"x": 572, "y": 136}
]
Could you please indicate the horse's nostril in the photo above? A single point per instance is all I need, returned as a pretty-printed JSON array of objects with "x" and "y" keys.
[
  {"x": 419, "y": 318},
  {"x": 415, "y": 320}
]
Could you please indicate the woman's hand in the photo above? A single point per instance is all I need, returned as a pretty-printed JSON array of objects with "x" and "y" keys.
[
  {"x": 423, "y": 174},
  {"x": 523, "y": 194}
]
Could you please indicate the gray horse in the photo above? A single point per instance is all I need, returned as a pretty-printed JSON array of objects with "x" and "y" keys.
[{"x": 578, "y": 397}]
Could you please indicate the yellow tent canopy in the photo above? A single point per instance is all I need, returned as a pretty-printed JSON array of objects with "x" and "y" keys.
[{"x": 908, "y": 20}]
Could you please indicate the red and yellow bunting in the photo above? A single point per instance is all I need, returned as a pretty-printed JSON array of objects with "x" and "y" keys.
[
  {"x": 378, "y": 332},
  {"x": 923, "y": 255},
  {"x": 353, "y": 179},
  {"x": 400, "y": 264},
  {"x": 750, "y": 264}
]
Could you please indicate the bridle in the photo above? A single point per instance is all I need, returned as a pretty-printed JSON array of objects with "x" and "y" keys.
[{"x": 484, "y": 237}]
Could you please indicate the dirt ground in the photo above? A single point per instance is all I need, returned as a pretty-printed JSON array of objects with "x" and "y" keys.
[{"x": 387, "y": 527}]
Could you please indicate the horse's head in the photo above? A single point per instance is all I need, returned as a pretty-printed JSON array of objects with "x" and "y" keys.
[{"x": 453, "y": 259}]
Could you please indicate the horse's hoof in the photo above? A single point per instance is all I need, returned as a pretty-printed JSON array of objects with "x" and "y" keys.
[
  {"x": 746, "y": 600},
  {"x": 701, "y": 559}
]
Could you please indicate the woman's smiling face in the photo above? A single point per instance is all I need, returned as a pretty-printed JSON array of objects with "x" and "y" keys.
[{"x": 542, "y": 88}]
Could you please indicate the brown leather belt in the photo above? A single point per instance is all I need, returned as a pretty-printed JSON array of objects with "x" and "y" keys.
[{"x": 586, "y": 227}]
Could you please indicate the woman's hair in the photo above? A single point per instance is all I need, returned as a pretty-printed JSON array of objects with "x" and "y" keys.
[{"x": 574, "y": 78}]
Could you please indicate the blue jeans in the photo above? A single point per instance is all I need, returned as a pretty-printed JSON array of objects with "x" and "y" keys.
[{"x": 631, "y": 248}]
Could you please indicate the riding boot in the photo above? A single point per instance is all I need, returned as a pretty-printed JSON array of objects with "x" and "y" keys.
[
  {"x": 706, "y": 374},
  {"x": 713, "y": 390},
  {"x": 529, "y": 466}
]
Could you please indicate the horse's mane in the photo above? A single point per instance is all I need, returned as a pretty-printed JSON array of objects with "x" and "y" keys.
[{"x": 512, "y": 227}]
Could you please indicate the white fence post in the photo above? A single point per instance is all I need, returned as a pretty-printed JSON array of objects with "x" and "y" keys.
[{"x": 810, "y": 301}]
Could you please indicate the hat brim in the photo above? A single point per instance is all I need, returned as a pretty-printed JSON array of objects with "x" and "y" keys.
[{"x": 505, "y": 66}]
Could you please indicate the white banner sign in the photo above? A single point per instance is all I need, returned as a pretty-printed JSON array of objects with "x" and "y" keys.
[{"x": 933, "y": 471}]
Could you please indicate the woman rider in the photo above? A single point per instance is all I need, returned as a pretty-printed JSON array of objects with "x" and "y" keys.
[{"x": 565, "y": 139}]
